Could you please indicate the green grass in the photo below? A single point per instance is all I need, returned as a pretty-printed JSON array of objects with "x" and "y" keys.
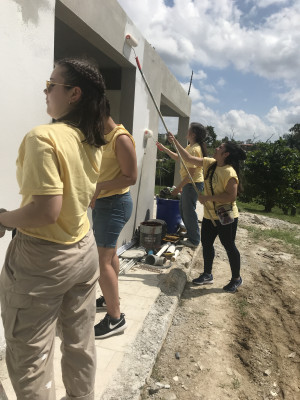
[
  {"x": 236, "y": 384},
  {"x": 242, "y": 305},
  {"x": 287, "y": 237},
  {"x": 276, "y": 212}
]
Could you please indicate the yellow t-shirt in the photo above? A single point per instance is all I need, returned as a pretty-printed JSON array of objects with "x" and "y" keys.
[
  {"x": 220, "y": 179},
  {"x": 195, "y": 151},
  {"x": 110, "y": 168},
  {"x": 53, "y": 160}
]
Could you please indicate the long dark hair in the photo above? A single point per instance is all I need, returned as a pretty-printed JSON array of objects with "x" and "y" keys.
[
  {"x": 200, "y": 135},
  {"x": 236, "y": 154},
  {"x": 90, "y": 112}
]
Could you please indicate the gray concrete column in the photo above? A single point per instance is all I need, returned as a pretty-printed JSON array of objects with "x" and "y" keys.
[
  {"x": 183, "y": 126},
  {"x": 127, "y": 98}
]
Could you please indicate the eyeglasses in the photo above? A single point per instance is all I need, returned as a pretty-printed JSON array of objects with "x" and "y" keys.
[{"x": 50, "y": 85}]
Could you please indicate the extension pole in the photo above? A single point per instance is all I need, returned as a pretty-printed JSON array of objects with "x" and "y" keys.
[
  {"x": 190, "y": 83},
  {"x": 166, "y": 128}
]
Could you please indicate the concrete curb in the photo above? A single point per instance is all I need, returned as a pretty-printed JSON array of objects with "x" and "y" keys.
[{"x": 140, "y": 358}]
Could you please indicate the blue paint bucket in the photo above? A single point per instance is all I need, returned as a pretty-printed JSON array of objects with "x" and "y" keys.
[{"x": 168, "y": 210}]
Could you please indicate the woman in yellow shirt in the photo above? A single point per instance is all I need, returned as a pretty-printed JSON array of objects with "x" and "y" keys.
[
  {"x": 221, "y": 186},
  {"x": 112, "y": 208},
  {"x": 188, "y": 200},
  {"x": 50, "y": 273}
]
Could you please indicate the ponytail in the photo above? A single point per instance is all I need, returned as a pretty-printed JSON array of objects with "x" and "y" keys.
[
  {"x": 200, "y": 135},
  {"x": 90, "y": 112}
]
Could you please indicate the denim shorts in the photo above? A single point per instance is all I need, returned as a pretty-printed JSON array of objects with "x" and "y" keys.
[{"x": 109, "y": 217}]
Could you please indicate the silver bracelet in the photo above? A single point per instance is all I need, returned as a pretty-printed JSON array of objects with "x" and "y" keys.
[{"x": 4, "y": 228}]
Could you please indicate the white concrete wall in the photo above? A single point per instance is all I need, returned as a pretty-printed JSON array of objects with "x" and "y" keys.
[{"x": 26, "y": 48}]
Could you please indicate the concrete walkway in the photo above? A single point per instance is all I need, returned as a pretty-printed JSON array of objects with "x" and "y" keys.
[{"x": 149, "y": 298}]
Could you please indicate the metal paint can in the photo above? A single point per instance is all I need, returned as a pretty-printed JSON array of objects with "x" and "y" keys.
[{"x": 150, "y": 235}]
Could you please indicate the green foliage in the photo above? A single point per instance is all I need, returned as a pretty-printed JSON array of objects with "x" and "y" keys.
[
  {"x": 275, "y": 213},
  {"x": 241, "y": 304},
  {"x": 293, "y": 138},
  {"x": 272, "y": 175},
  {"x": 165, "y": 168},
  {"x": 287, "y": 237},
  {"x": 211, "y": 138}
]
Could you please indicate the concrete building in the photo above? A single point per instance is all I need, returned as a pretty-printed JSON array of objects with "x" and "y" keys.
[{"x": 36, "y": 32}]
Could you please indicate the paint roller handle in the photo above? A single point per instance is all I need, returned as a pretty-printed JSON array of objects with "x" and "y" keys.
[
  {"x": 171, "y": 137},
  {"x": 150, "y": 92},
  {"x": 138, "y": 63},
  {"x": 164, "y": 124}
]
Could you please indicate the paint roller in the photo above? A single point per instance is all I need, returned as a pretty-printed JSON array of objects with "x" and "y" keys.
[
  {"x": 148, "y": 134},
  {"x": 132, "y": 42}
]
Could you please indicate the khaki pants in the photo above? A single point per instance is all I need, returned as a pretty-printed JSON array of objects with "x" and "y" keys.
[{"x": 43, "y": 283}]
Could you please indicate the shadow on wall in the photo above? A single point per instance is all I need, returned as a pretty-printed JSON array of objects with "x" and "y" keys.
[{"x": 30, "y": 9}]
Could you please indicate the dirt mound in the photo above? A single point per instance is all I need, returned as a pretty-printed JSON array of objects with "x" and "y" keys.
[{"x": 243, "y": 346}]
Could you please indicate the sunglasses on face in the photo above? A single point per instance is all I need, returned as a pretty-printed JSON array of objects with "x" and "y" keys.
[{"x": 50, "y": 85}]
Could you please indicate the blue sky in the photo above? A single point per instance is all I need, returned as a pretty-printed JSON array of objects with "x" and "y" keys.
[{"x": 245, "y": 56}]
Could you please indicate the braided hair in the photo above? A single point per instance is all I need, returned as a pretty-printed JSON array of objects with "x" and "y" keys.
[
  {"x": 90, "y": 112},
  {"x": 236, "y": 154},
  {"x": 200, "y": 135}
]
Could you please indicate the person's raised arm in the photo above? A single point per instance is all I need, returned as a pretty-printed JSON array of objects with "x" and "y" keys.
[
  {"x": 164, "y": 149},
  {"x": 184, "y": 154}
]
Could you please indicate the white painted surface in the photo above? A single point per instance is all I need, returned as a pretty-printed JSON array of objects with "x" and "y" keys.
[{"x": 26, "y": 48}]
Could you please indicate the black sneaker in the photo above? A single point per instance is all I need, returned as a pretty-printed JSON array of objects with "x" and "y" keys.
[
  {"x": 100, "y": 303},
  {"x": 204, "y": 279},
  {"x": 232, "y": 286},
  {"x": 109, "y": 326}
]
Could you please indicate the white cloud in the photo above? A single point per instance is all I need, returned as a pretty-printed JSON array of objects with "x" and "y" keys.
[
  {"x": 203, "y": 34},
  {"x": 243, "y": 126},
  {"x": 267, "y": 3},
  {"x": 292, "y": 96},
  {"x": 195, "y": 93},
  {"x": 210, "y": 33},
  {"x": 200, "y": 75},
  {"x": 234, "y": 124},
  {"x": 286, "y": 117},
  {"x": 210, "y": 99},
  {"x": 208, "y": 88},
  {"x": 221, "y": 82}
]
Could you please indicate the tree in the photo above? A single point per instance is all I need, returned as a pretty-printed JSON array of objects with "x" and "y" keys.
[
  {"x": 211, "y": 138},
  {"x": 293, "y": 138},
  {"x": 272, "y": 175}
]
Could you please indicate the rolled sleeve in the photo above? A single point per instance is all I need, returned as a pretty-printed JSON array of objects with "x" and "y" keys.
[{"x": 41, "y": 172}]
